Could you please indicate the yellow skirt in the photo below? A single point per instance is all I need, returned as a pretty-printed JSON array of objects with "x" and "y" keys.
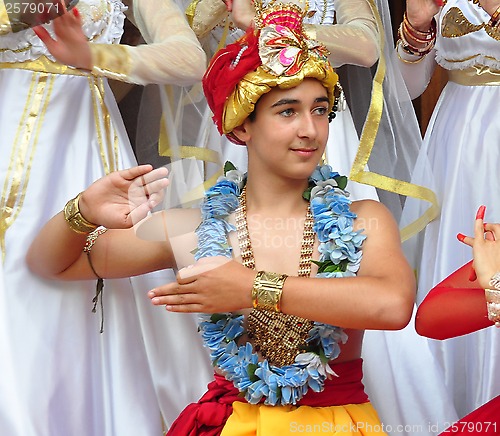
[{"x": 260, "y": 420}]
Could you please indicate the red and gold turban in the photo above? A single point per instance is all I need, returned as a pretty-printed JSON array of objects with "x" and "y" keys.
[{"x": 278, "y": 53}]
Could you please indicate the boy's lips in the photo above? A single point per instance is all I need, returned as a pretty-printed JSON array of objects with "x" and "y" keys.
[{"x": 305, "y": 151}]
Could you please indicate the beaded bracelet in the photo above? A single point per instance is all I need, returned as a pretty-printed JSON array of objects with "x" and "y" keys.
[{"x": 493, "y": 305}]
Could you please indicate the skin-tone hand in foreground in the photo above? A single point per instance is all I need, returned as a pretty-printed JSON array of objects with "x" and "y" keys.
[
  {"x": 485, "y": 247},
  {"x": 71, "y": 46},
  {"x": 116, "y": 201}
]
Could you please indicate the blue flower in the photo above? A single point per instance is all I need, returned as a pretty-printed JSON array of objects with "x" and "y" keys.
[
  {"x": 219, "y": 206},
  {"x": 224, "y": 187},
  {"x": 322, "y": 173}
]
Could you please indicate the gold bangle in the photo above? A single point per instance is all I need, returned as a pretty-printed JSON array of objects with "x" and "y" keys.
[
  {"x": 267, "y": 290},
  {"x": 495, "y": 18},
  {"x": 493, "y": 305},
  {"x": 75, "y": 219},
  {"x": 407, "y": 61}
]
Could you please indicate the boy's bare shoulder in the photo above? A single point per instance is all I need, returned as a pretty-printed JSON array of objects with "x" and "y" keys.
[
  {"x": 362, "y": 207},
  {"x": 371, "y": 214}
]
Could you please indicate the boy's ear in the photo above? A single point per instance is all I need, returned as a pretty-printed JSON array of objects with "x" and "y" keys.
[{"x": 241, "y": 133}]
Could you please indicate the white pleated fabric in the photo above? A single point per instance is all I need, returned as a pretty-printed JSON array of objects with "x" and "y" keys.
[
  {"x": 59, "y": 133},
  {"x": 462, "y": 144},
  {"x": 62, "y": 376}
]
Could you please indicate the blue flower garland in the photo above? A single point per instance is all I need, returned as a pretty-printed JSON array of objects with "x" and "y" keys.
[{"x": 340, "y": 256}]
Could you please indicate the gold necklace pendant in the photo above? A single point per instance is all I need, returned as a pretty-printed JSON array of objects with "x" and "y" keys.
[{"x": 278, "y": 337}]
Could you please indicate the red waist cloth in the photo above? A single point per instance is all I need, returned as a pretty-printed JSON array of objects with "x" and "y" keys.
[
  {"x": 208, "y": 416},
  {"x": 484, "y": 421}
]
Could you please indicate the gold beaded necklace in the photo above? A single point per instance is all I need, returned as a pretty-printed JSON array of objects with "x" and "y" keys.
[{"x": 278, "y": 337}]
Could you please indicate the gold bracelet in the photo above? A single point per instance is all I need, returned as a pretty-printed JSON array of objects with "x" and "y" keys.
[
  {"x": 495, "y": 18},
  {"x": 407, "y": 61},
  {"x": 493, "y": 305},
  {"x": 267, "y": 289},
  {"x": 75, "y": 219}
]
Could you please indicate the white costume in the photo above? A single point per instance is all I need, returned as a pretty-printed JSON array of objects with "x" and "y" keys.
[
  {"x": 462, "y": 144},
  {"x": 61, "y": 130}
]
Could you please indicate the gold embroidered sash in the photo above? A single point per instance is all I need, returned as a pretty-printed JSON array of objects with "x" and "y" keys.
[{"x": 477, "y": 75}]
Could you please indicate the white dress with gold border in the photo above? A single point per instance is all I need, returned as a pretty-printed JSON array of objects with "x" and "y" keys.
[
  {"x": 60, "y": 129},
  {"x": 462, "y": 143}
]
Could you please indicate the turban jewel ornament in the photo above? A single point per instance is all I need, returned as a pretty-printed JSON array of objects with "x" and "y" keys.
[{"x": 276, "y": 53}]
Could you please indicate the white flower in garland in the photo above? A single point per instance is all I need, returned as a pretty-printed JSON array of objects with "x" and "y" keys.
[{"x": 340, "y": 255}]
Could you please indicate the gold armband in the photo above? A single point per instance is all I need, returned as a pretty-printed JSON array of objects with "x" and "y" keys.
[
  {"x": 75, "y": 219},
  {"x": 267, "y": 289}
]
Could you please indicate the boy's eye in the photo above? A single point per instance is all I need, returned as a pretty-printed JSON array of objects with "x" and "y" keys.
[
  {"x": 321, "y": 110},
  {"x": 287, "y": 112}
]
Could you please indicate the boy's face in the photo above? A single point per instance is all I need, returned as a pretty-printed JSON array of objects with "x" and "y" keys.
[{"x": 289, "y": 131}]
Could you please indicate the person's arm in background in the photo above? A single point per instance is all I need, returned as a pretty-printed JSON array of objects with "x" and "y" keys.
[
  {"x": 172, "y": 54},
  {"x": 352, "y": 40},
  {"x": 457, "y": 305},
  {"x": 417, "y": 67},
  {"x": 204, "y": 15}
]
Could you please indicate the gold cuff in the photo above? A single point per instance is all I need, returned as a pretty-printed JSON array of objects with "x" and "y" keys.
[
  {"x": 75, "y": 219},
  {"x": 493, "y": 305},
  {"x": 267, "y": 289}
]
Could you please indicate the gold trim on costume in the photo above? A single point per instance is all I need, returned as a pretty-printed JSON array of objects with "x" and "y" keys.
[
  {"x": 191, "y": 12},
  {"x": 366, "y": 143},
  {"x": 44, "y": 65},
  {"x": 115, "y": 63},
  {"x": 23, "y": 151},
  {"x": 106, "y": 135},
  {"x": 45, "y": 73},
  {"x": 456, "y": 24},
  {"x": 5, "y": 26},
  {"x": 477, "y": 75}
]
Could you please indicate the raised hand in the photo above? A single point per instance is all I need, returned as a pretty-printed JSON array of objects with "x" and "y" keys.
[
  {"x": 421, "y": 12},
  {"x": 486, "y": 248},
  {"x": 123, "y": 198},
  {"x": 242, "y": 12},
  {"x": 71, "y": 46}
]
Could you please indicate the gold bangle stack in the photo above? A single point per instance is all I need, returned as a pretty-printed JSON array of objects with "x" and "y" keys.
[
  {"x": 493, "y": 299},
  {"x": 495, "y": 18},
  {"x": 267, "y": 290},
  {"x": 75, "y": 219},
  {"x": 428, "y": 38}
]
